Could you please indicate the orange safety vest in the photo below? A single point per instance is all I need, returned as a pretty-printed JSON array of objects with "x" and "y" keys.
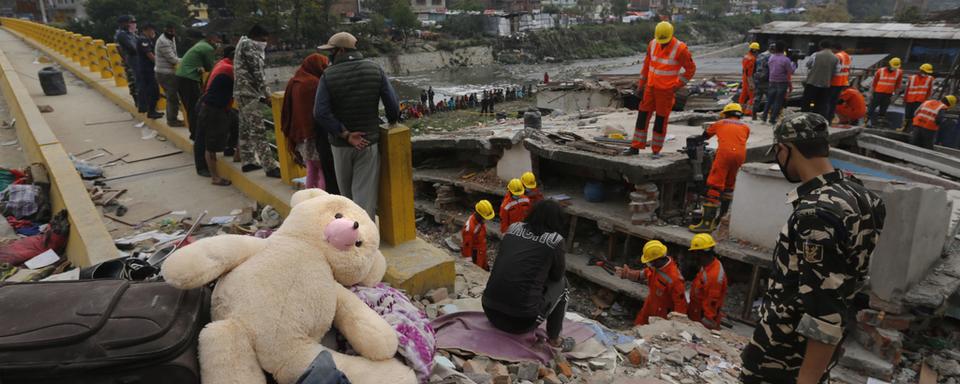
[
  {"x": 852, "y": 106},
  {"x": 666, "y": 293},
  {"x": 919, "y": 88},
  {"x": 842, "y": 78},
  {"x": 707, "y": 296},
  {"x": 534, "y": 195},
  {"x": 926, "y": 116},
  {"x": 886, "y": 81},
  {"x": 474, "y": 235},
  {"x": 513, "y": 211},
  {"x": 749, "y": 63},
  {"x": 731, "y": 135},
  {"x": 664, "y": 71}
]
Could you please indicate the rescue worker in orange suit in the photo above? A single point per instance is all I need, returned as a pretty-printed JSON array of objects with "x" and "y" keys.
[
  {"x": 748, "y": 86},
  {"x": 732, "y": 137},
  {"x": 710, "y": 286},
  {"x": 927, "y": 121},
  {"x": 659, "y": 81},
  {"x": 515, "y": 205},
  {"x": 839, "y": 81},
  {"x": 474, "y": 234},
  {"x": 919, "y": 89},
  {"x": 852, "y": 106},
  {"x": 530, "y": 184},
  {"x": 885, "y": 83},
  {"x": 667, "y": 289}
]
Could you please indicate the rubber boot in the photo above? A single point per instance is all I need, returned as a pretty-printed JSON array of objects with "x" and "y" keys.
[
  {"x": 709, "y": 220},
  {"x": 643, "y": 118},
  {"x": 724, "y": 208}
]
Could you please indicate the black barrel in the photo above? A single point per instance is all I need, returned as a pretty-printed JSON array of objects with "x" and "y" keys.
[{"x": 51, "y": 80}]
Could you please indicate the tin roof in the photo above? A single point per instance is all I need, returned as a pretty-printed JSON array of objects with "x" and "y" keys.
[{"x": 939, "y": 31}]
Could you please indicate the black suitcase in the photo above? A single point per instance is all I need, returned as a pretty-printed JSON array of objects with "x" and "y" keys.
[{"x": 100, "y": 331}]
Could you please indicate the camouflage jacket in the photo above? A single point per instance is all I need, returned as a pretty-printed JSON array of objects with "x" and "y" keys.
[
  {"x": 819, "y": 264},
  {"x": 248, "y": 69}
]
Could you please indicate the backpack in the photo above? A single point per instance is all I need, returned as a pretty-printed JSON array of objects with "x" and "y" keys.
[{"x": 761, "y": 74}]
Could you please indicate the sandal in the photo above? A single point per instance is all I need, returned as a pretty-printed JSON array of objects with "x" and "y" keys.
[{"x": 222, "y": 182}]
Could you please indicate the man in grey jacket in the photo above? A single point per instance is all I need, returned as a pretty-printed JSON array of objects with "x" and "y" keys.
[
  {"x": 816, "y": 88},
  {"x": 166, "y": 68}
]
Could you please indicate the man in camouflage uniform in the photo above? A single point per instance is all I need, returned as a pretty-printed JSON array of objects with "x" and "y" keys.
[
  {"x": 126, "y": 39},
  {"x": 820, "y": 261},
  {"x": 251, "y": 93}
]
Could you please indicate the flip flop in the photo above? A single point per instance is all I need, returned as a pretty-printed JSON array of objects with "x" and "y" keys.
[
  {"x": 566, "y": 344},
  {"x": 222, "y": 182}
]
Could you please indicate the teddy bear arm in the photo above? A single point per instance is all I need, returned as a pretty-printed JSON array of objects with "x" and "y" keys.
[
  {"x": 366, "y": 331},
  {"x": 204, "y": 261}
]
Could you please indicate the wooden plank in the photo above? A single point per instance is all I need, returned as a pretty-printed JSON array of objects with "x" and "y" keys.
[{"x": 927, "y": 374}]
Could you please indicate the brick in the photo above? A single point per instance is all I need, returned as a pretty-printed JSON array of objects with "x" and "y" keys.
[
  {"x": 480, "y": 377},
  {"x": 565, "y": 369},
  {"x": 505, "y": 379},
  {"x": 637, "y": 357},
  {"x": 476, "y": 365},
  {"x": 552, "y": 379},
  {"x": 886, "y": 344},
  {"x": 885, "y": 320},
  {"x": 496, "y": 369}
]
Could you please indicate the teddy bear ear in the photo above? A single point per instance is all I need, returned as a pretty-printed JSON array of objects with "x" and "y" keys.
[{"x": 306, "y": 194}]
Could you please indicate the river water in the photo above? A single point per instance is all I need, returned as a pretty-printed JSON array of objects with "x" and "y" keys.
[{"x": 462, "y": 80}]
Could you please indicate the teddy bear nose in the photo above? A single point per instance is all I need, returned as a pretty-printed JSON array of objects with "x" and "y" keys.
[{"x": 342, "y": 233}]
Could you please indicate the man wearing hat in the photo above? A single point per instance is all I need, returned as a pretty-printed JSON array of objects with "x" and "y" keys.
[
  {"x": 820, "y": 260},
  {"x": 347, "y": 108},
  {"x": 667, "y": 290},
  {"x": 126, "y": 39}
]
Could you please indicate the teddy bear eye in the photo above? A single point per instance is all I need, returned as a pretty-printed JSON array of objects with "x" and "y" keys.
[
  {"x": 359, "y": 243},
  {"x": 338, "y": 216}
]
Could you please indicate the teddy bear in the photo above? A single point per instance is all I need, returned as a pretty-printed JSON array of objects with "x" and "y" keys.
[{"x": 277, "y": 297}]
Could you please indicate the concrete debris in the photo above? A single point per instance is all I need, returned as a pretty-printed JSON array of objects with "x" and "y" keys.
[
  {"x": 857, "y": 358},
  {"x": 944, "y": 365},
  {"x": 680, "y": 350},
  {"x": 644, "y": 202}
]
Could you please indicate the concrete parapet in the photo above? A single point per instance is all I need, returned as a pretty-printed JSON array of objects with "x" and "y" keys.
[
  {"x": 417, "y": 266},
  {"x": 89, "y": 241}
]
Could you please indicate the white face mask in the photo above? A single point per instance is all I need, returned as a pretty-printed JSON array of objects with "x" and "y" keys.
[{"x": 260, "y": 44}]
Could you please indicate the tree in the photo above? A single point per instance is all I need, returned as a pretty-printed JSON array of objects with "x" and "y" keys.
[
  {"x": 832, "y": 13},
  {"x": 550, "y": 9},
  {"x": 102, "y": 15},
  {"x": 715, "y": 8},
  {"x": 467, "y": 5},
  {"x": 909, "y": 14},
  {"x": 619, "y": 7},
  {"x": 403, "y": 17}
]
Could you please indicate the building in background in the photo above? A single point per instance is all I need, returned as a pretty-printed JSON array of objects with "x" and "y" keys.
[
  {"x": 428, "y": 6},
  {"x": 559, "y": 3}
]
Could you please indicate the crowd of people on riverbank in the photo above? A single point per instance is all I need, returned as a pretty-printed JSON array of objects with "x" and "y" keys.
[{"x": 485, "y": 101}]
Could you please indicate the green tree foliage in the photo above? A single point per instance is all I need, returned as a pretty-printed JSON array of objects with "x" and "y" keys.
[
  {"x": 464, "y": 26},
  {"x": 869, "y": 10},
  {"x": 715, "y": 7},
  {"x": 550, "y": 9},
  {"x": 466, "y": 5},
  {"x": 832, "y": 13},
  {"x": 403, "y": 17},
  {"x": 619, "y": 7},
  {"x": 102, "y": 15},
  {"x": 909, "y": 14}
]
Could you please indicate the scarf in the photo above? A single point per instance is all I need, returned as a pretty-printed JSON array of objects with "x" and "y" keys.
[{"x": 301, "y": 93}]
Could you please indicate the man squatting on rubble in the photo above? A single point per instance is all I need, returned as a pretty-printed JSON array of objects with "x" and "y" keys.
[{"x": 820, "y": 260}]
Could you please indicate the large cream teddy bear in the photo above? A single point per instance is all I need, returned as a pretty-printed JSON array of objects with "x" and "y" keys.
[{"x": 277, "y": 297}]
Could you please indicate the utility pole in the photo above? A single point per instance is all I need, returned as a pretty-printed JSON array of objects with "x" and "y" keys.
[{"x": 43, "y": 10}]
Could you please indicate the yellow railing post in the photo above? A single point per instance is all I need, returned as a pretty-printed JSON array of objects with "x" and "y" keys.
[
  {"x": 395, "y": 204},
  {"x": 104, "y": 56},
  {"x": 96, "y": 59},
  {"x": 75, "y": 47},
  {"x": 289, "y": 169},
  {"x": 116, "y": 65},
  {"x": 84, "y": 49}
]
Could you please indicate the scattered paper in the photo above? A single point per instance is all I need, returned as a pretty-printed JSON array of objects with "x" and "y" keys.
[
  {"x": 875, "y": 381},
  {"x": 221, "y": 220},
  {"x": 160, "y": 237},
  {"x": 73, "y": 274},
  {"x": 179, "y": 213},
  {"x": 44, "y": 259}
]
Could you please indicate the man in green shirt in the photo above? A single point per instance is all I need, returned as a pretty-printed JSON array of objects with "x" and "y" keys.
[{"x": 198, "y": 59}]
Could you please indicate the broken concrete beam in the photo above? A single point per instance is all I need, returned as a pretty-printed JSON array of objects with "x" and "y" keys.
[
  {"x": 884, "y": 343},
  {"x": 859, "y": 359},
  {"x": 928, "y": 158},
  {"x": 898, "y": 171},
  {"x": 932, "y": 292},
  {"x": 915, "y": 229}
]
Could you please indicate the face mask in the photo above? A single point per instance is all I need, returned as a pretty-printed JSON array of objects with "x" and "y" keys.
[
  {"x": 260, "y": 44},
  {"x": 783, "y": 167},
  {"x": 169, "y": 35}
]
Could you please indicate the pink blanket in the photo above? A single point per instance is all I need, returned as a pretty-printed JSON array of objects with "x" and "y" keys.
[{"x": 472, "y": 332}]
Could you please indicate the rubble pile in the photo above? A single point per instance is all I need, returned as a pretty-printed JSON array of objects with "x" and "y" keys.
[{"x": 644, "y": 202}]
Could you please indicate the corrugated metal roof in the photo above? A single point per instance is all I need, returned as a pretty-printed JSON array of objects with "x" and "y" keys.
[{"x": 939, "y": 31}]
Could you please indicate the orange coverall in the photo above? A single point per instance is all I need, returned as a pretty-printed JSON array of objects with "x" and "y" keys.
[
  {"x": 474, "y": 235},
  {"x": 660, "y": 79},
  {"x": 746, "y": 92},
  {"x": 852, "y": 106},
  {"x": 732, "y": 137},
  {"x": 513, "y": 209},
  {"x": 706, "y": 297},
  {"x": 666, "y": 293}
]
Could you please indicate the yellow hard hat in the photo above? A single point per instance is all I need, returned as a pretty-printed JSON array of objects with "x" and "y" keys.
[
  {"x": 515, "y": 187},
  {"x": 732, "y": 107},
  {"x": 653, "y": 250},
  {"x": 895, "y": 62},
  {"x": 485, "y": 209},
  {"x": 951, "y": 100},
  {"x": 663, "y": 33},
  {"x": 927, "y": 68},
  {"x": 529, "y": 180},
  {"x": 702, "y": 241},
  {"x": 755, "y": 46}
]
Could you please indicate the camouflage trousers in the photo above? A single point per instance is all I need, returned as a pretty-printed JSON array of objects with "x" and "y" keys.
[{"x": 254, "y": 143}]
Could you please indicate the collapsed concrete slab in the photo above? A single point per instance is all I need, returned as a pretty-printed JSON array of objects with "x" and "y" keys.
[
  {"x": 916, "y": 226},
  {"x": 946, "y": 164},
  {"x": 760, "y": 206}
]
